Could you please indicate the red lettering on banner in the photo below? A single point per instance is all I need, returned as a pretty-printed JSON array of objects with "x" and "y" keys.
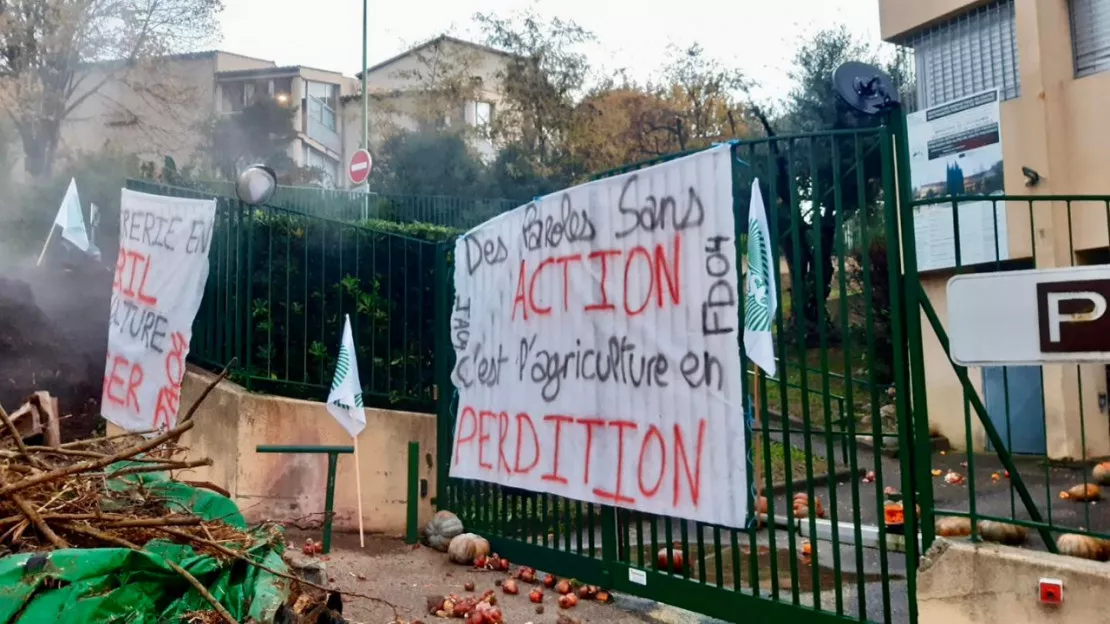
[
  {"x": 483, "y": 437},
  {"x": 522, "y": 418},
  {"x": 637, "y": 250},
  {"x": 175, "y": 360},
  {"x": 459, "y": 439},
  {"x": 166, "y": 407},
  {"x": 692, "y": 480},
  {"x": 565, "y": 261},
  {"x": 616, "y": 495},
  {"x": 663, "y": 280},
  {"x": 554, "y": 474},
  {"x": 502, "y": 433},
  {"x": 652, "y": 449},
  {"x": 673, "y": 276},
  {"x": 116, "y": 390},
  {"x": 532, "y": 287},
  {"x": 132, "y": 266},
  {"x": 646, "y": 491},
  {"x": 605, "y": 305},
  {"x": 169, "y": 396},
  {"x": 518, "y": 299},
  {"x": 590, "y": 424}
]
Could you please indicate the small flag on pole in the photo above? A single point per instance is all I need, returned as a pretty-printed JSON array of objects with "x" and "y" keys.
[
  {"x": 345, "y": 398},
  {"x": 760, "y": 303},
  {"x": 71, "y": 220}
]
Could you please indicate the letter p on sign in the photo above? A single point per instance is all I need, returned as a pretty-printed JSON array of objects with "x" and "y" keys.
[
  {"x": 1056, "y": 316},
  {"x": 1072, "y": 316}
]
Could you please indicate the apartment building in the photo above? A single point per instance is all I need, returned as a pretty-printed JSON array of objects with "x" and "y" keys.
[
  {"x": 161, "y": 107},
  {"x": 1050, "y": 61}
]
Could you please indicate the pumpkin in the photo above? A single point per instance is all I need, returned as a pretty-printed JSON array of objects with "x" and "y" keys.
[
  {"x": 1082, "y": 546},
  {"x": 953, "y": 527},
  {"x": 465, "y": 548},
  {"x": 1082, "y": 493},
  {"x": 1003, "y": 532},
  {"x": 1101, "y": 473},
  {"x": 443, "y": 527},
  {"x": 802, "y": 503},
  {"x": 669, "y": 563}
]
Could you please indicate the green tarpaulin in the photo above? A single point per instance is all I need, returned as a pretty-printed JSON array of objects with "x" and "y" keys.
[{"x": 116, "y": 585}]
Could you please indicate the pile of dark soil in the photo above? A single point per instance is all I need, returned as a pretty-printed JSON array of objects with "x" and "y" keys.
[{"x": 54, "y": 337}]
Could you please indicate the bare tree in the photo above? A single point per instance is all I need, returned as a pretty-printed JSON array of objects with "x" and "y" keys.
[{"x": 56, "y": 54}]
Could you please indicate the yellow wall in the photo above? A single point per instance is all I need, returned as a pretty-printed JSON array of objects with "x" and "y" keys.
[
  {"x": 897, "y": 17},
  {"x": 278, "y": 487},
  {"x": 1058, "y": 127}
]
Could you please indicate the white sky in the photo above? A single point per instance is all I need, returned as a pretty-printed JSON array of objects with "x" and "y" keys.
[{"x": 759, "y": 36}]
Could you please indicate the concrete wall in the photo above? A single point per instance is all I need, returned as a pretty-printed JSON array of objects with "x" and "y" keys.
[
  {"x": 1058, "y": 128},
  {"x": 964, "y": 583},
  {"x": 233, "y": 422}
]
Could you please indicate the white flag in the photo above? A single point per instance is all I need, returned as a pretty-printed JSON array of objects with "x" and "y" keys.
[
  {"x": 71, "y": 220},
  {"x": 760, "y": 303},
  {"x": 345, "y": 398}
]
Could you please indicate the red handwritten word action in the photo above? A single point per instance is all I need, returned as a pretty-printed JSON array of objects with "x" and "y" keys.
[
  {"x": 509, "y": 445},
  {"x": 132, "y": 271},
  {"x": 661, "y": 266}
]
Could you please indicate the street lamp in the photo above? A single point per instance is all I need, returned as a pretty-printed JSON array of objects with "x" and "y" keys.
[{"x": 256, "y": 185}]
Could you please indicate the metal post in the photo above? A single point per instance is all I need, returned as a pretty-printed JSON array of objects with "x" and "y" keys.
[
  {"x": 365, "y": 96},
  {"x": 329, "y": 500},
  {"x": 412, "y": 511}
]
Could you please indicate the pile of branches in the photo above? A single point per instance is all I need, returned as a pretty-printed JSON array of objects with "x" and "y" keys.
[{"x": 57, "y": 496}]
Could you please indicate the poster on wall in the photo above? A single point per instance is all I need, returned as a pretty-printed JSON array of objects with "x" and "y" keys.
[
  {"x": 956, "y": 149},
  {"x": 596, "y": 340},
  {"x": 157, "y": 289}
]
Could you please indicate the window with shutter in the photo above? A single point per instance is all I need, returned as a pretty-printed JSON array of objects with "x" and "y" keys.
[
  {"x": 972, "y": 52},
  {"x": 1090, "y": 35}
]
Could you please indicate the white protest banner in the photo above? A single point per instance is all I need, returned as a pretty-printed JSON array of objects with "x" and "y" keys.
[
  {"x": 596, "y": 339},
  {"x": 160, "y": 276}
]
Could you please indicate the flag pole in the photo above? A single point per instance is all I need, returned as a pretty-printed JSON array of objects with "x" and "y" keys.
[
  {"x": 358, "y": 493},
  {"x": 757, "y": 447},
  {"x": 49, "y": 237}
]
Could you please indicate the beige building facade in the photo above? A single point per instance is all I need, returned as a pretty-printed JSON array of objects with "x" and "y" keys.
[
  {"x": 1050, "y": 60},
  {"x": 162, "y": 107}
]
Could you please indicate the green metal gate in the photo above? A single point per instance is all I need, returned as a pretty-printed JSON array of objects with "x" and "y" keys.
[{"x": 835, "y": 407}]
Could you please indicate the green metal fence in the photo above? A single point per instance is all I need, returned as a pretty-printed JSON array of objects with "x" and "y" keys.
[
  {"x": 354, "y": 206},
  {"x": 280, "y": 284},
  {"x": 1012, "y": 491},
  {"x": 838, "y": 334}
]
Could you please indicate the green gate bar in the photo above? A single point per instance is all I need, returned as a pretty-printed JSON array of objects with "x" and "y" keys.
[
  {"x": 412, "y": 505},
  {"x": 333, "y": 453}
]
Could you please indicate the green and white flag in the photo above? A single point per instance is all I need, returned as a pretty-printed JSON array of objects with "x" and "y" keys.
[
  {"x": 760, "y": 303},
  {"x": 71, "y": 220},
  {"x": 345, "y": 398}
]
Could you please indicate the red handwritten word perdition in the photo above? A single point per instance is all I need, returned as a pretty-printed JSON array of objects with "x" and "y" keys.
[{"x": 664, "y": 464}]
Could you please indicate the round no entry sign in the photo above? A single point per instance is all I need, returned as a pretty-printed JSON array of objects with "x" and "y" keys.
[{"x": 359, "y": 168}]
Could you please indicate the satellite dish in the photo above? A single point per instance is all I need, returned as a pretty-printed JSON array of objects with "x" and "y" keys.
[{"x": 866, "y": 88}]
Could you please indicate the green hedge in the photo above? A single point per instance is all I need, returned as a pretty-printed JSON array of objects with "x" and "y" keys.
[{"x": 281, "y": 283}]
